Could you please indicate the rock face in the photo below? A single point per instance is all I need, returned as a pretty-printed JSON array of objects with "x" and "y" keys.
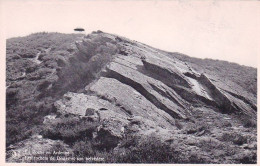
[{"x": 130, "y": 89}]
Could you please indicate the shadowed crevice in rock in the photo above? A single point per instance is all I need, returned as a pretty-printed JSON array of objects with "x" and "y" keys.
[
  {"x": 185, "y": 92},
  {"x": 224, "y": 104},
  {"x": 93, "y": 54},
  {"x": 106, "y": 140},
  {"x": 138, "y": 87},
  {"x": 220, "y": 101},
  {"x": 167, "y": 95},
  {"x": 243, "y": 99},
  {"x": 191, "y": 75},
  {"x": 192, "y": 97}
]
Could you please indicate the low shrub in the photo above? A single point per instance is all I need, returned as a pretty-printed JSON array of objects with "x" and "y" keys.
[
  {"x": 83, "y": 149},
  {"x": 246, "y": 157},
  {"x": 69, "y": 129},
  {"x": 234, "y": 137},
  {"x": 149, "y": 149},
  {"x": 248, "y": 123},
  {"x": 239, "y": 139}
]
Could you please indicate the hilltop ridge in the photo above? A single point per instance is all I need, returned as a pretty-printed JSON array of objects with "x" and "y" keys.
[{"x": 105, "y": 95}]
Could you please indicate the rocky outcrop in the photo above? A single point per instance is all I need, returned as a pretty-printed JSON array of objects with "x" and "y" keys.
[
  {"x": 111, "y": 89},
  {"x": 165, "y": 70},
  {"x": 139, "y": 82},
  {"x": 194, "y": 87},
  {"x": 244, "y": 99},
  {"x": 107, "y": 89},
  {"x": 189, "y": 88},
  {"x": 222, "y": 101},
  {"x": 93, "y": 108}
]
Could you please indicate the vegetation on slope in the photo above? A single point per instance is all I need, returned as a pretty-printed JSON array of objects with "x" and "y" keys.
[
  {"x": 43, "y": 66},
  {"x": 40, "y": 69}
]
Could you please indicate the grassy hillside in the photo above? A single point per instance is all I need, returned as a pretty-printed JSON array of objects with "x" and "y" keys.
[
  {"x": 42, "y": 67},
  {"x": 27, "y": 82}
]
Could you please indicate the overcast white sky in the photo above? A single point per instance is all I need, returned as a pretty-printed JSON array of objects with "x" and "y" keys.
[{"x": 226, "y": 30}]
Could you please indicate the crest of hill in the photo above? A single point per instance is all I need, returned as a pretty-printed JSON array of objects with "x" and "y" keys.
[{"x": 108, "y": 95}]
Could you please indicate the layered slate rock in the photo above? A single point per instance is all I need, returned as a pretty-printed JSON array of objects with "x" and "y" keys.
[
  {"x": 142, "y": 83},
  {"x": 149, "y": 92},
  {"x": 131, "y": 101},
  {"x": 93, "y": 108},
  {"x": 104, "y": 89},
  {"x": 199, "y": 86}
]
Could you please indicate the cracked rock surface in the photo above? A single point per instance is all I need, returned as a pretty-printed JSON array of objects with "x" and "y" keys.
[{"x": 105, "y": 93}]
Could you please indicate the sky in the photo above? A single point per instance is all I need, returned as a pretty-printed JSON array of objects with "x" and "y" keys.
[{"x": 224, "y": 30}]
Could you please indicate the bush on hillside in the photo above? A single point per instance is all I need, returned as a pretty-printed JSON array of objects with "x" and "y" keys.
[{"x": 69, "y": 129}]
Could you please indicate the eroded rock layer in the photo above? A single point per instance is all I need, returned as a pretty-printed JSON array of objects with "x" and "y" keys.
[{"x": 124, "y": 88}]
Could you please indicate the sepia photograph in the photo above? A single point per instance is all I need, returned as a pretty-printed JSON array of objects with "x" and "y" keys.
[{"x": 130, "y": 82}]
